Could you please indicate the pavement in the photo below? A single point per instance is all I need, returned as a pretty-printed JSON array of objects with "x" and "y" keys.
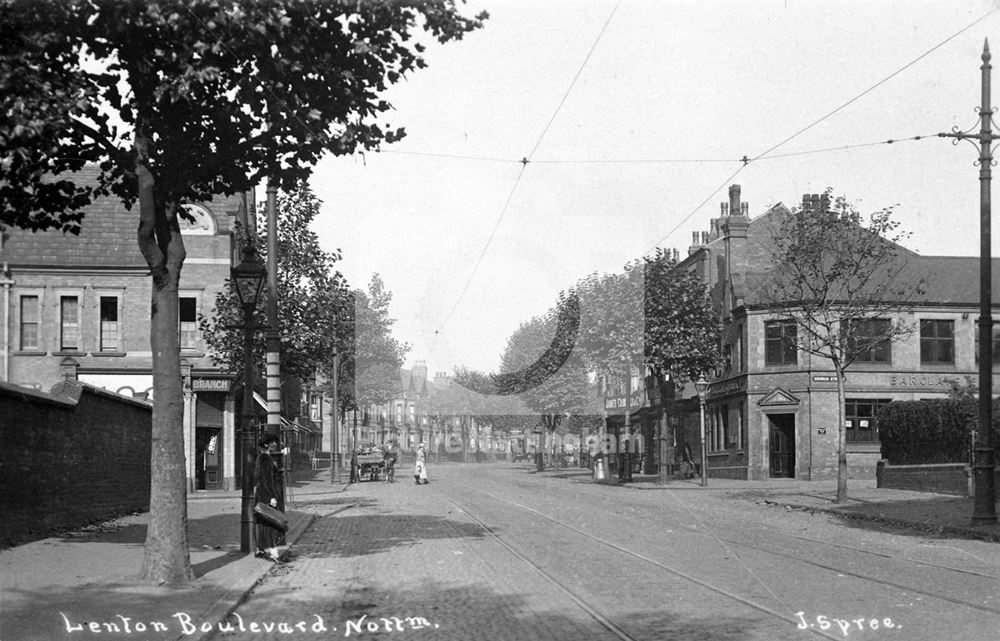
[{"x": 78, "y": 584}]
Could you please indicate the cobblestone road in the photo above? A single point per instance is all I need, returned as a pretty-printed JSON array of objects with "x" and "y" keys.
[{"x": 493, "y": 552}]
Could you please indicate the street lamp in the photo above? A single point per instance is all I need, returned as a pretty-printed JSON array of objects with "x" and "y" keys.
[
  {"x": 702, "y": 386},
  {"x": 248, "y": 278}
]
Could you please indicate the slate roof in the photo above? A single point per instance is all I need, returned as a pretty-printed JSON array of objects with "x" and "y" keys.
[
  {"x": 948, "y": 280},
  {"x": 107, "y": 236},
  {"x": 107, "y": 239}
]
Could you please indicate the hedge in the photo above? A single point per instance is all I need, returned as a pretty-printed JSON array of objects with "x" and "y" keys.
[{"x": 931, "y": 431}]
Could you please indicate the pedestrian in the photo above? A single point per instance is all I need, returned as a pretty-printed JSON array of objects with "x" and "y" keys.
[
  {"x": 391, "y": 456},
  {"x": 420, "y": 471},
  {"x": 267, "y": 484},
  {"x": 687, "y": 464}
]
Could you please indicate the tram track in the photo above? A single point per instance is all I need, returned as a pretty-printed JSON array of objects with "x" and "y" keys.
[
  {"x": 841, "y": 571},
  {"x": 592, "y": 610}
]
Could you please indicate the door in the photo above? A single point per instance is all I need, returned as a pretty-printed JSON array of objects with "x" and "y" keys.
[{"x": 782, "y": 450}]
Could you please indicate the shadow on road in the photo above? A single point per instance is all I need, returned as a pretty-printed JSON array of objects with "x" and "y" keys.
[
  {"x": 357, "y": 535},
  {"x": 445, "y": 611}
]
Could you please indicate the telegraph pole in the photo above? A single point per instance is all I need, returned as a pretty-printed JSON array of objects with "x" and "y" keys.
[
  {"x": 983, "y": 509},
  {"x": 273, "y": 341}
]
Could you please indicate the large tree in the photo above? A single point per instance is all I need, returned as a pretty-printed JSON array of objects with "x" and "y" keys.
[
  {"x": 650, "y": 314},
  {"x": 541, "y": 365},
  {"x": 182, "y": 100},
  {"x": 369, "y": 366},
  {"x": 682, "y": 330},
  {"x": 841, "y": 283}
]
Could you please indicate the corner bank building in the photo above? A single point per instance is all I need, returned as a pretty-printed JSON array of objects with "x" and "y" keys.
[{"x": 771, "y": 410}]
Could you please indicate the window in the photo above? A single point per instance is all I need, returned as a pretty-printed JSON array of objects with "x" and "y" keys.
[
  {"x": 860, "y": 419},
  {"x": 937, "y": 341},
  {"x": 996, "y": 345},
  {"x": 69, "y": 323},
  {"x": 29, "y": 323},
  {"x": 738, "y": 350},
  {"x": 739, "y": 427},
  {"x": 868, "y": 339},
  {"x": 109, "y": 339},
  {"x": 780, "y": 338},
  {"x": 189, "y": 322}
]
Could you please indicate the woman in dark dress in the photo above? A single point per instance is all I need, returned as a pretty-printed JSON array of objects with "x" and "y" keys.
[{"x": 267, "y": 484}]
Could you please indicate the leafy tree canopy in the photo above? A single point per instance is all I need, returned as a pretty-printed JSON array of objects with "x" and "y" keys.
[{"x": 220, "y": 93}]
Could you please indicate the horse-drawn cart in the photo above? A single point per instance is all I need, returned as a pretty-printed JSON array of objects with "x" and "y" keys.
[{"x": 370, "y": 463}]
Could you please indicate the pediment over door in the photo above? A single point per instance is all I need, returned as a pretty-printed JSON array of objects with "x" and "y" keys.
[{"x": 778, "y": 398}]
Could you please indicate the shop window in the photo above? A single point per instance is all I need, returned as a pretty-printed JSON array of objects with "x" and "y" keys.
[
  {"x": 937, "y": 341},
  {"x": 69, "y": 323},
  {"x": 780, "y": 342},
  {"x": 29, "y": 323},
  {"x": 109, "y": 340},
  {"x": 868, "y": 340},
  {"x": 189, "y": 323},
  {"x": 860, "y": 419}
]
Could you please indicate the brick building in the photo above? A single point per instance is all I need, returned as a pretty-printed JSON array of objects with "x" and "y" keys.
[
  {"x": 78, "y": 307},
  {"x": 772, "y": 411}
]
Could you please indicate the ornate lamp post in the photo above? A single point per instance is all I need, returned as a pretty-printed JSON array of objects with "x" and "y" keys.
[
  {"x": 248, "y": 277},
  {"x": 702, "y": 386},
  {"x": 984, "y": 508}
]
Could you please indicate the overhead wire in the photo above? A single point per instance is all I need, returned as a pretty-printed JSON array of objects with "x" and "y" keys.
[
  {"x": 765, "y": 155},
  {"x": 770, "y": 149},
  {"x": 524, "y": 164}
]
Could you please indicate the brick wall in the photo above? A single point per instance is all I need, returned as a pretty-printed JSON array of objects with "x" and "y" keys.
[
  {"x": 942, "y": 478},
  {"x": 73, "y": 456}
]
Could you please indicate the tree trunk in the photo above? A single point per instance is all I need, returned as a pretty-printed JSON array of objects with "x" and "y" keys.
[
  {"x": 167, "y": 559},
  {"x": 841, "y": 436}
]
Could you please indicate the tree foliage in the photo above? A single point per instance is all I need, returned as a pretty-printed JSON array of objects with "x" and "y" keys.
[
  {"x": 313, "y": 298},
  {"x": 554, "y": 388},
  {"x": 682, "y": 331},
  {"x": 372, "y": 357},
  {"x": 183, "y": 100}
]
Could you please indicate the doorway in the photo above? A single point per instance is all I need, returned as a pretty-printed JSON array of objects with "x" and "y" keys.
[
  {"x": 782, "y": 448},
  {"x": 207, "y": 468}
]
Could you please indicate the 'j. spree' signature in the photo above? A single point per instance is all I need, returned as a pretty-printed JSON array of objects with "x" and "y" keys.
[{"x": 846, "y": 626}]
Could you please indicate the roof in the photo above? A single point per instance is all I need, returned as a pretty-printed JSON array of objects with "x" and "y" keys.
[
  {"x": 107, "y": 238},
  {"x": 947, "y": 280}
]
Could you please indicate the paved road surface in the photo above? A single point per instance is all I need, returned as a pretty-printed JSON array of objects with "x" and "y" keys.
[{"x": 494, "y": 552}]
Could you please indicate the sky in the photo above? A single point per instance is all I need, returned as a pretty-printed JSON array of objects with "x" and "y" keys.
[{"x": 634, "y": 116}]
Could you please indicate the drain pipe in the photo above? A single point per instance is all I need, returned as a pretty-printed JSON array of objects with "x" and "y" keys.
[{"x": 5, "y": 279}]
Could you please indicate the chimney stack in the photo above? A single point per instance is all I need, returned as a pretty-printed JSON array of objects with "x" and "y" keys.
[{"x": 734, "y": 200}]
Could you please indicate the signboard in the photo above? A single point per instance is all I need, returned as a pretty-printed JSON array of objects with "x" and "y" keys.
[
  {"x": 210, "y": 384},
  {"x": 825, "y": 378}
]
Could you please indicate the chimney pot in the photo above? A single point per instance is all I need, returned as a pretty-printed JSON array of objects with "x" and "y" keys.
[
  {"x": 694, "y": 238},
  {"x": 745, "y": 209}
]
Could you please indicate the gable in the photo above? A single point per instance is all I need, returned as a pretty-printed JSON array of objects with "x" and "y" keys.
[{"x": 778, "y": 398}]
